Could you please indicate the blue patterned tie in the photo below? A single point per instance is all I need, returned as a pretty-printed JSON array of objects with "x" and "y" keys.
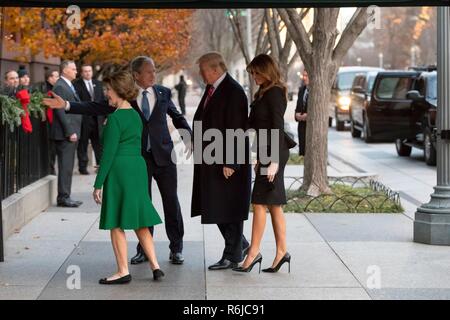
[
  {"x": 145, "y": 105},
  {"x": 74, "y": 91}
]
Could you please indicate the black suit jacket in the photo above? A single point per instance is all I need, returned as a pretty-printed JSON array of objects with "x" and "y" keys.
[
  {"x": 156, "y": 127},
  {"x": 64, "y": 125},
  {"x": 83, "y": 93},
  {"x": 302, "y": 107}
]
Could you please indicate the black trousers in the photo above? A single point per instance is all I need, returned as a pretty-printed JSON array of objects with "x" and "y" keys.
[
  {"x": 166, "y": 179},
  {"x": 235, "y": 241},
  {"x": 52, "y": 156},
  {"x": 89, "y": 131},
  {"x": 65, "y": 153},
  {"x": 301, "y": 137},
  {"x": 182, "y": 103}
]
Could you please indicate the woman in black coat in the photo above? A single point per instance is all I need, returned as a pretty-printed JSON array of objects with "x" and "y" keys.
[{"x": 272, "y": 146}]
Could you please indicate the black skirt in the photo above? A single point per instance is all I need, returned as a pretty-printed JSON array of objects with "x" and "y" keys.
[{"x": 271, "y": 193}]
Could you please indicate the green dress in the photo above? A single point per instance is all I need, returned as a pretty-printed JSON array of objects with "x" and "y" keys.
[{"x": 126, "y": 203}]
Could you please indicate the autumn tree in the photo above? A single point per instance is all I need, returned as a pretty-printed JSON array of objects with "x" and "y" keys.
[
  {"x": 322, "y": 50},
  {"x": 106, "y": 35},
  {"x": 405, "y": 29}
]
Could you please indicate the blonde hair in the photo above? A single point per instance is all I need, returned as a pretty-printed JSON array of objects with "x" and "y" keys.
[
  {"x": 213, "y": 60},
  {"x": 266, "y": 67}
]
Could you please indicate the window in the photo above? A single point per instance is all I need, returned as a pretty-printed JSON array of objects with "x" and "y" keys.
[
  {"x": 345, "y": 80},
  {"x": 394, "y": 88},
  {"x": 432, "y": 88}
]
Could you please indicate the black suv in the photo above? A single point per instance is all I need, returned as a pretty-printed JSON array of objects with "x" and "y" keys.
[
  {"x": 340, "y": 94},
  {"x": 401, "y": 108},
  {"x": 360, "y": 97},
  {"x": 422, "y": 133}
]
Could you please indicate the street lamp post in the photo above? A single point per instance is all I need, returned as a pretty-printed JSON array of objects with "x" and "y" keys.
[
  {"x": 2, "y": 256},
  {"x": 432, "y": 220},
  {"x": 413, "y": 56},
  {"x": 249, "y": 33}
]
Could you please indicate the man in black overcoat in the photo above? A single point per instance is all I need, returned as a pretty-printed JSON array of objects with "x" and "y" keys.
[{"x": 221, "y": 190}]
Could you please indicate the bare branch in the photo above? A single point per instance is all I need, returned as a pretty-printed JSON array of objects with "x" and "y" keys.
[
  {"x": 237, "y": 30},
  {"x": 297, "y": 31},
  {"x": 351, "y": 32},
  {"x": 273, "y": 33},
  {"x": 261, "y": 36}
]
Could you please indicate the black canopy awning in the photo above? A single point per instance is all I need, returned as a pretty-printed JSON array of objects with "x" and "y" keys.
[{"x": 220, "y": 3}]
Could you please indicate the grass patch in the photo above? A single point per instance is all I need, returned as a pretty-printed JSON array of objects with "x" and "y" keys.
[
  {"x": 345, "y": 199},
  {"x": 294, "y": 158}
]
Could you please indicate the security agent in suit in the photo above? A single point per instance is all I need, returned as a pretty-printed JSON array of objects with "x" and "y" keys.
[
  {"x": 301, "y": 113},
  {"x": 153, "y": 104},
  {"x": 65, "y": 132},
  {"x": 89, "y": 89}
]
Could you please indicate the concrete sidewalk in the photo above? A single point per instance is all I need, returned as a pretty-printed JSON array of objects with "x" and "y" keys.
[{"x": 334, "y": 256}]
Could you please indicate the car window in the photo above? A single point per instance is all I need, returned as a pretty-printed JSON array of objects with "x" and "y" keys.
[
  {"x": 345, "y": 80},
  {"x": 370, "y": 83},
  {"x": 432, "y": 88},
  {"x": 394, "y": 88},
  {"x": 421, "y": 86},
  {"x": 358, "y": 82}
]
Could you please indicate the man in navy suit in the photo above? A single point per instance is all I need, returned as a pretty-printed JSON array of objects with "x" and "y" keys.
[{"x": 153, "y": 104}]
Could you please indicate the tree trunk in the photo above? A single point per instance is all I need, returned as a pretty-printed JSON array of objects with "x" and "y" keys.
[{"x": 315, "y": 181}]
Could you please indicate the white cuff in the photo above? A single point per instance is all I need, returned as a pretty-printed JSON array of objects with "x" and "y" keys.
[{"x": 67, "y": 106}]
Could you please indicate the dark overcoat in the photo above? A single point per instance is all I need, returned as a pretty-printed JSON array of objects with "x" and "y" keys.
[{"x": 217, "y": 199}]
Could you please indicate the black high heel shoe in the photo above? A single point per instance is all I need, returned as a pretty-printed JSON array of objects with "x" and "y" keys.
[
  {"x": 258, "y": 259},
  {"x": 158, "y": 274},
  {"x": 286, "y": 258},
  {"x": 122, "y": 280}
]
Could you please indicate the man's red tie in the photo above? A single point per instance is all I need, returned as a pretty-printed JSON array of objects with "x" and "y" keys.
[{"x": 208, "y": 97}]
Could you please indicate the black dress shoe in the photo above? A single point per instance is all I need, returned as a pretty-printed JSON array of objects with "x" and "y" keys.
[
  {"x": 223, "y": 264},
  {"x": 139, "y": 258},
  {"x": 78, "y": 202},
  {"x": 84, "y": 172},
  {"x": 68, "y": 203},
  {"x": 123, "y": 280},
  {"x": 158, "y": 274},
  {"x": 176, "y": 258}
]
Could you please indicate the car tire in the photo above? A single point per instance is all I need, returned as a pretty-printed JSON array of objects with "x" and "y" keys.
[
  {"x": 355, "y": 132},
  {"x": 367, "y": 136},
  {"x": 402, "y": 149},
  {"x": 429, "y": 151}
]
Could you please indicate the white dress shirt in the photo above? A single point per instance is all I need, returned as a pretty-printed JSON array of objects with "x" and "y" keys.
[
  {"x": 150, "y": 96},
  {"x": 68, "y": 82},
  {"x": 219, "y": 81},
  {"x": 90, "y": 84}
]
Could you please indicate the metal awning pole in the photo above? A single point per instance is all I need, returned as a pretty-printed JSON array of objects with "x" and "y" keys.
[{"x": 432, "y": 220}]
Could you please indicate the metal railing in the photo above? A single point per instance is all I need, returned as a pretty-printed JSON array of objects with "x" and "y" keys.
[
  {"x": 351, "y": 202},
  {"x": 24, "y": 159}
]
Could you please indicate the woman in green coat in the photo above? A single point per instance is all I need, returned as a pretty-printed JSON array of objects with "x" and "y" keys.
[{"x": 125, "y": 201}]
